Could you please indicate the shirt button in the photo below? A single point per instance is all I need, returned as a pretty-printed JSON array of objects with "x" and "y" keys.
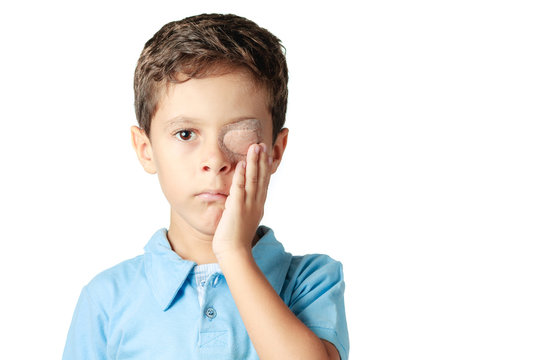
[{"x": 210, "y": 313}]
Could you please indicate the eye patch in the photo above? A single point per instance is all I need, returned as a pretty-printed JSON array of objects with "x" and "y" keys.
[{"x": 235, "y": 139}]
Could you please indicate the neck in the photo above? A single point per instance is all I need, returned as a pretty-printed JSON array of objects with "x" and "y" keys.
[{"x": 191, "y": 244}]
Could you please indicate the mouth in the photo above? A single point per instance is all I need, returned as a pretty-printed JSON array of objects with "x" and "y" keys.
[{"x": 212, "y": 195}]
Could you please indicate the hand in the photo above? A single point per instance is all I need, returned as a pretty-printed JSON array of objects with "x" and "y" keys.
[{"x": 244, "y": 206}]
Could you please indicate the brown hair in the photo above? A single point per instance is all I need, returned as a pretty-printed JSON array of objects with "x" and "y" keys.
[{"x": 206, "y": 45}]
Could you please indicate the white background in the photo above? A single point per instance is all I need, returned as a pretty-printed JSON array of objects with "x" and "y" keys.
[{"x": 413, "y": 158}]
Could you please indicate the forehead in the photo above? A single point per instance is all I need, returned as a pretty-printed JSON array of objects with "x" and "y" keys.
[{"x": 232, "y": 96}]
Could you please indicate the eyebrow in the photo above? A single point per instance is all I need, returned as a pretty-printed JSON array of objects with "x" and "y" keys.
[
  {"x": 181, "y": 120},
  {"x": 193, "y": 121}
]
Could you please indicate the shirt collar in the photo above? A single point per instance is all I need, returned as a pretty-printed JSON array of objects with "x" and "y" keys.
[{"x": 167, "y": 272}]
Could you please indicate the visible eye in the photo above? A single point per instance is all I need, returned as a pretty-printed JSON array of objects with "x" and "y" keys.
[{"x": 185, "y": 135}]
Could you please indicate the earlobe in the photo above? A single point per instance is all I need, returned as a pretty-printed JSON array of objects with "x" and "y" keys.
[
  {"x": 279, "y": 148},
  {"x": 143, "y": 149}
]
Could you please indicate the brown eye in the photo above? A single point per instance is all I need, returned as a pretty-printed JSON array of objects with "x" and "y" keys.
[{"x": 185, "y": 135}]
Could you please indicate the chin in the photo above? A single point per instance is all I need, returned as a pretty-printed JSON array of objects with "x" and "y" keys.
[
  {"x": 211, "y": 221},
  {"x": 207, "y": 230}
]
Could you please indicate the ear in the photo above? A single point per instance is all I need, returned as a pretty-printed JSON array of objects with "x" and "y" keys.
[
  {"x": 279, "y": 148},
  {"x": 142, "y": 146}
]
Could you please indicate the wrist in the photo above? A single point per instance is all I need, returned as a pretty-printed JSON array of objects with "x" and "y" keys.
[
  {"x": 234, "y": 256},
  {"x": 225, "y": 250}
]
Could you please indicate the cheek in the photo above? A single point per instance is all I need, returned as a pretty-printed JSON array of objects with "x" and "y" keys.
[{"x": 175, "y": 172}]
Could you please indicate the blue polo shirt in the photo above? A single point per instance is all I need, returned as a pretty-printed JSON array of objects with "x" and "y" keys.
[{"x": 151, "y": 306}]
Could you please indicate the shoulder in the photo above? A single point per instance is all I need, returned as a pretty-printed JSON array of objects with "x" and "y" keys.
[
  {"x": 108, "y": 284},
  {"x": 315, "y": 265},
  {"x": 313, "y": 274},
  {"x": 296, "y": 267}
]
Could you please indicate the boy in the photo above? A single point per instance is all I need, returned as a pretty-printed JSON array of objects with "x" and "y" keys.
[{"x": 210, "y": 99}]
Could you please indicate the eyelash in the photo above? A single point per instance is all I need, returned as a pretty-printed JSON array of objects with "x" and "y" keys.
[{"x": 185, "y": 130}]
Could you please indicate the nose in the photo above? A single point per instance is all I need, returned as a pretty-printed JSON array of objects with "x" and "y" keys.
[{"x": 214, "y": 160}]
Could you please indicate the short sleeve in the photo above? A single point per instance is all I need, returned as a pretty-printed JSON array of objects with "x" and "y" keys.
[
  {"x": 317, "y": 299},
  {"x": 86, "y": 337}
]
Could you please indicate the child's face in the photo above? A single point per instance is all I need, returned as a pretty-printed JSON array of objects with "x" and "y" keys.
[{"x": 190, "y": 132}]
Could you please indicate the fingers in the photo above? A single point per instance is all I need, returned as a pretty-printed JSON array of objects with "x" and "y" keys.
[
  {"x": 252, "y": 171},
  {"x": 264, "y": 173},
  {"x": 257, "y": 173},
  {"x": 238, "y": 183}
]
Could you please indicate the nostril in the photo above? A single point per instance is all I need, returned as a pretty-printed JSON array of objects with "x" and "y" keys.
[{"x": 221, "y": 168}]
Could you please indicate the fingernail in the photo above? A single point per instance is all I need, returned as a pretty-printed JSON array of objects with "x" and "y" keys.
[
  {"x": 263, "y": 145},
  {"x": 257, "y": 149},
  {"x": 270, "y": 160}
]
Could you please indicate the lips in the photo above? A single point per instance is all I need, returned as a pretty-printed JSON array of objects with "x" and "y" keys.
[{"x": 212, "y": 195}]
